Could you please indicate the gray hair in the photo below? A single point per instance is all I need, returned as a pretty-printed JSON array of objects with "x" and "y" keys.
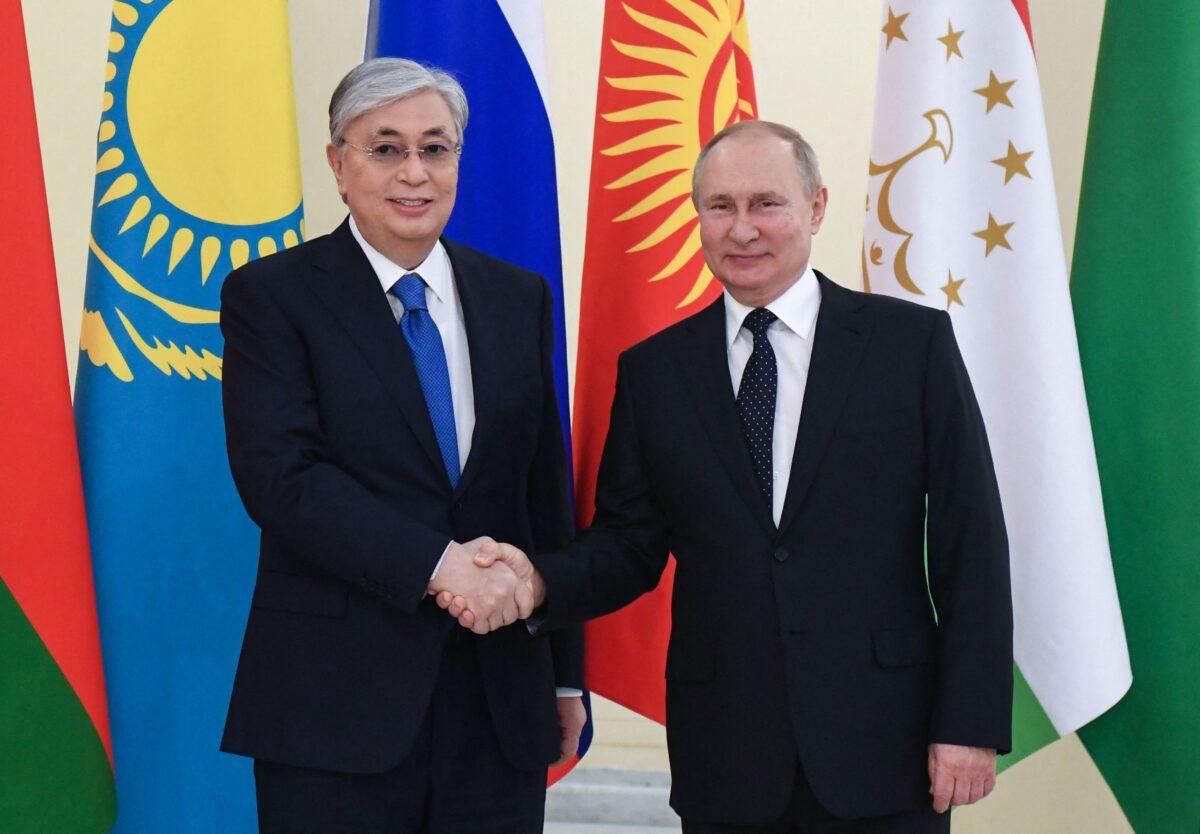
[
  {"x": 381, "y": 81},
  {"x": 806, "y": 157}
]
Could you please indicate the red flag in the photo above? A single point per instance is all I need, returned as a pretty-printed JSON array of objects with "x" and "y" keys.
[
  {"x": 55, "y": 755},
  {"x": 672, "y": 74}
]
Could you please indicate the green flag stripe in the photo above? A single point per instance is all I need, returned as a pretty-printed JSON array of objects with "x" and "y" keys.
[
  {"x": 54, "y": 773},
  {"x": 1136, "y": 289},
  {"x": 1032, "y": 730}
]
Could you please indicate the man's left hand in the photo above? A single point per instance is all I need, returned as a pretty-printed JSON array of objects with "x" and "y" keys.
[
  {"x": 960, "y": 775},
  {"x": 571, "y": 718}
]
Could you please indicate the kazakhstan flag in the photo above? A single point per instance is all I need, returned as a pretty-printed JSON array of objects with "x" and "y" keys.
[{"x": 197, "y": 172}]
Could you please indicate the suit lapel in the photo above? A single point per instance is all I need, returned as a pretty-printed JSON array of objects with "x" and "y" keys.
[
  {"x": 840, "y": 339},
  {"x": 706, "y": 369},
  {"x": 483, "y": 306},
  {"x": 345, "y": 282}
]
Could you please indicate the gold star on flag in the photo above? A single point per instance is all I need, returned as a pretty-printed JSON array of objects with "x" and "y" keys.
[
  {"x": 894, "y": 28},
  {"x": 994, "y": 235},
  {"x": 950, "y": 40},
  {"x": 996, "y": 91},
  {"x": 1014, "y": 163},
  {"x": 951, "y": 289}
]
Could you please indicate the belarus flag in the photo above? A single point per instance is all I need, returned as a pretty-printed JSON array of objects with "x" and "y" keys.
[{"x": 55, "y": 756}]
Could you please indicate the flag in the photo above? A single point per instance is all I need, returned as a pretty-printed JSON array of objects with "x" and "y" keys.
[
  {"x": 197, "y": 172},
  {"x": 55, "y": 756},
  {"x": 961, "y": 214},
  {"x": 497, "y": 51},
  {"x": 1136, "y": 288},
  {"x": 672, "y": 74}
]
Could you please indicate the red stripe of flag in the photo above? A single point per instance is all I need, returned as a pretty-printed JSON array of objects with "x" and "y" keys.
[{"x": 1022, "y": 7}]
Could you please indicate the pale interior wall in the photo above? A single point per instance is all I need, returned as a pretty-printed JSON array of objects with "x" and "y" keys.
[
  {"x": 815, "y": 67},
  {"x": 68, "y": 48}
]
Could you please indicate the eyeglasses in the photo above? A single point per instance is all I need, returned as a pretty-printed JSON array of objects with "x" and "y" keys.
[{"x": 391, "y": 155}]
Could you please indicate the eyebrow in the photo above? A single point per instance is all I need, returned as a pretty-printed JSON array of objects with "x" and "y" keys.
[
  {"x": 433, "y": 132},
  {"x": 760, "y": 195}
]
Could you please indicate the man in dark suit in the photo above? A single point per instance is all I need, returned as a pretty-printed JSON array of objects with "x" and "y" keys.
[
  {"x": 389, "y": 399},
  {"x": 797, "y": 446}
]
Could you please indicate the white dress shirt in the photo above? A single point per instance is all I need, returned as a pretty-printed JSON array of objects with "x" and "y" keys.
[
  {"x": 791, "y": 337},
  {"x": 441, "y": 296}
]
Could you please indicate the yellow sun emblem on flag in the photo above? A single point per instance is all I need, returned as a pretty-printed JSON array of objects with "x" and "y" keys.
[
  {"x": 697, "y": 74},
  {"x": 197, "y": 172}
]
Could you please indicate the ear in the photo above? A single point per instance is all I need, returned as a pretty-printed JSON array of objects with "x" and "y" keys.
[
  {"x": 819, "y": 204},
  {"x": 334, "y": 155}
]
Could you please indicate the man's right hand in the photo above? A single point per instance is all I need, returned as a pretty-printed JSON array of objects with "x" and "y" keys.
[
  {"x": 530, "y": 594},
  {"x": 494, "y": 594}
]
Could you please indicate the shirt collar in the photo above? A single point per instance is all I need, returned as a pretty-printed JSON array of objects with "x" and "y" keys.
[
  {"x": 435, "y": 269},
  {"x": 796, "y": 309}
]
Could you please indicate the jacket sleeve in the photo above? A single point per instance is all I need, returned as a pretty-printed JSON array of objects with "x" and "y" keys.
[
  {"x": 549, "y": 507},
  {"x": 968, "y": 558},
  {"x": 624, "y": 552},
  {"x": 281, "y": 464}
]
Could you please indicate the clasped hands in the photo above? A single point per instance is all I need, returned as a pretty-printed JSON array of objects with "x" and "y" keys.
[{"x": 487, "y": 585}]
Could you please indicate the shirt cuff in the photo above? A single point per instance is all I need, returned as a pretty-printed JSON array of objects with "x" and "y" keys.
[
  {"x": 567, "y": 692},
  {"x": 440, "y": 560}
]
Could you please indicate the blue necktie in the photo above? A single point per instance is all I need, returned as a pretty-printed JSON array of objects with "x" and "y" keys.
[
  {"x": 756, "y": 399},
  {"x": 429, "y": 357}
]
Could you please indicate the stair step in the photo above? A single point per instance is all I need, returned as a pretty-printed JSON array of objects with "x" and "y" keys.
[
  {"x": 598, "y": 828},
  {"x": 610, "y": 796}
]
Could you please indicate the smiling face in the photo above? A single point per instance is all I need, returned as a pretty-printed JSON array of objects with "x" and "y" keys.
[
  {"x": 401, "y": 207},
  {"x": 757, "y": 219}
]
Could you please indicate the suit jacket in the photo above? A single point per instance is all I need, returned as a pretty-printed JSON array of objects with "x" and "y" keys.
[
  {"x": 334, "y": 455},
  {"x": 814, "y": 642}
]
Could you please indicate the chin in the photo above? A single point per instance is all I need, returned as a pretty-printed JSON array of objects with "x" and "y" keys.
[
  {"x": 414, "y": 232},
  {"x": 747, "y": 283}
]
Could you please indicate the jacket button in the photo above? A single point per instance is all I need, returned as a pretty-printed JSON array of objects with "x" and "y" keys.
[{"x": 781, "y": 554}]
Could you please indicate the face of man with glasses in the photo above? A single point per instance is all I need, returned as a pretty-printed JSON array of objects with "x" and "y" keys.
[{"x": 397, "y": 170}]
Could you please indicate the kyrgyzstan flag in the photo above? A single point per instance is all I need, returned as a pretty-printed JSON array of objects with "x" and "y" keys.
[
  {"x": 672, "y": 74},
  {"x": 55, "y": 757}
]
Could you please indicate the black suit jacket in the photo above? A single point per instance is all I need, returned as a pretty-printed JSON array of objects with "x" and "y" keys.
[
  {"x": 817, "y": 641},
  {"x": 334, "y": 455}
]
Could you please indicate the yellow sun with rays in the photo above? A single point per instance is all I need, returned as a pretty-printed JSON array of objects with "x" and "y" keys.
[
  {"x": 699, "y": 96},
  {"x": 209, "y": 169}
]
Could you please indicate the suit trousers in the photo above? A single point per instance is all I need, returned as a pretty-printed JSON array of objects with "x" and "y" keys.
[
  {"x": 455, "y": 779},
  {"x": 806, "y": 815}
]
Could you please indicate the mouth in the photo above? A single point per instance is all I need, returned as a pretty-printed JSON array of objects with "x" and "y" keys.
[
  {"x": 745, "y": 257},
  {"x": 407, "y": 205}
]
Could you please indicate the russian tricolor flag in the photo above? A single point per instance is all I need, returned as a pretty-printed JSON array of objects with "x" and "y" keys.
[{"x": 507, "y": 203}]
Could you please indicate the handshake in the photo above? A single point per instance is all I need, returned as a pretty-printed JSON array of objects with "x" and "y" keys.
[{"x": 486, "y": 585}]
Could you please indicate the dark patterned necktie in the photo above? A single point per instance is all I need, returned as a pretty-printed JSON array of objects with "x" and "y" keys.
[
  {"x": 429, "y": 357},
  {"x": 756, "y": 399}
]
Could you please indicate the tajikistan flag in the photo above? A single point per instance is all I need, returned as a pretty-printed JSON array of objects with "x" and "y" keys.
[{"x": 962, "y": 215}]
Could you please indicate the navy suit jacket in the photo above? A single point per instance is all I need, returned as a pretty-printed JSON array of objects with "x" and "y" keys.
[
  {"x": 818, "y": 641},
  {"x": 334, "y": 455}
]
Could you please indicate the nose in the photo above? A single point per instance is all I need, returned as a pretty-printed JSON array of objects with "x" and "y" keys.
[
  {"x": 743, "y": 230},
  {"x": 412, "y": 170}
]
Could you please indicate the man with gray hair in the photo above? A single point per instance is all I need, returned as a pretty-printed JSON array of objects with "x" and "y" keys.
[
  {"x": 389, "y": 400},
  {"x": 795, "y": 445}
]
